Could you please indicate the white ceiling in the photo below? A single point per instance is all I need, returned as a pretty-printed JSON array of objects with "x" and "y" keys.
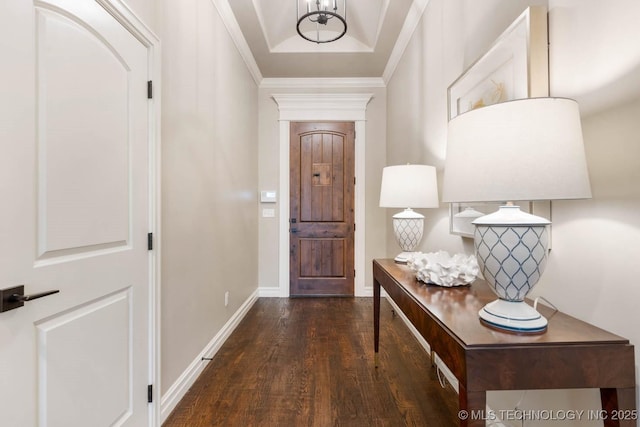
[{"x": 373, "y": 27}]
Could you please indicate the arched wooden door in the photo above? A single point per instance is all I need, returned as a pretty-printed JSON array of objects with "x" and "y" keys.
[{"x": 322, "y": 209}]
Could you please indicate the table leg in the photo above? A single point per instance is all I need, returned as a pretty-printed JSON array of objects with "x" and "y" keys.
[
  {"x": 376, "y": 320},
  {"x": 620, "y": 406},
  {"x": 473, "y": 406}
]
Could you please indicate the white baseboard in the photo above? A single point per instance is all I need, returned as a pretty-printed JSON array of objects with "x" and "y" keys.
[
  {"x": 176, "y": 392},
  {"x": 269, "y": 292},
  {"x": 364, "y": 292},
  {"x": 439, "y": 363}
]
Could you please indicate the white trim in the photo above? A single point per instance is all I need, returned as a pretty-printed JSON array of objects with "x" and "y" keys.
[
  {"x": 359, "y": 245},
  {"x": 453, "y": 381},
  {"x": 423, "y": 343},
  {"x": 283, "y": 234},
  {"x": 129, "y": 20},
  {"x": 322, "y": 83},
  {"x": 229, "y": 20},
  {"x": 330, "y": 107},
  {"x": 123, "y": 14},
  {"x": 179, "y": 388},
  {"x": 322, "y": 106},
  {"x": 268, "y": 292},
  {"x": 410, "y": 24}
]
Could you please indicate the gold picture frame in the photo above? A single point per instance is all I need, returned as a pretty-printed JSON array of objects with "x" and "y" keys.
[{"x": 516, "y": 66}]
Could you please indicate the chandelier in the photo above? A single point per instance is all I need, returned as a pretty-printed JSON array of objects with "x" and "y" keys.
[{"x": 321, "y": 23}]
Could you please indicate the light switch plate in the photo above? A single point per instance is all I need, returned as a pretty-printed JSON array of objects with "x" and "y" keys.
[{"x": 268, "y": 196}]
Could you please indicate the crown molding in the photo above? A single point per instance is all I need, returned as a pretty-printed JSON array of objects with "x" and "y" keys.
[
  {"x": 229, "y": 20},
  {"x": 322, "y": 83},
  {"x": 322, "y": 106},
  {"x": 410, "y": 24}
]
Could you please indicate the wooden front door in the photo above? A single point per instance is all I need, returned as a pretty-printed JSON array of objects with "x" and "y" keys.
[{"x": 321, "y": 217}]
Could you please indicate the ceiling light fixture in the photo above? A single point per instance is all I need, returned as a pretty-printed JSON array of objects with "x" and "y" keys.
[{"x": 321, "y": 23}]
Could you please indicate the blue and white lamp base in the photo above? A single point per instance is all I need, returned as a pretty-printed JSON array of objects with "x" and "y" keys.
[
  {"x": 513, "y": 316},
  {"x": 408, "y": 227},
  {"x": 512, "y": 247}
]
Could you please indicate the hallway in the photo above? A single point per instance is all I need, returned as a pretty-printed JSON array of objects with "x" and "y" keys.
[{"x": 309, "y": 362}]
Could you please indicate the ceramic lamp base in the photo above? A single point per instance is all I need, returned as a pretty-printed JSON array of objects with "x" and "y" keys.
[
  {"x": 408, "y": 226},
  {"x": 513, "y": 316},
  {"x": 404, "y": 257}
]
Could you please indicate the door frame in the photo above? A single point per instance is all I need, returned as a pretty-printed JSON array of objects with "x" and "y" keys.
[
  {"x": 318, "y": 107},
  {"x": 130, "y": 21}
]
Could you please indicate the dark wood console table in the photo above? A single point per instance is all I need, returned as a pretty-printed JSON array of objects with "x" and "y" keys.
[{"x": 571, "y": 354}]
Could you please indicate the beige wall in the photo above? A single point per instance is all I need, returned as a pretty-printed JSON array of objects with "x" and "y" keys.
[
  {"x": 209, "y": 180},
  {"x": 270, "y": 167},
  {"x": 593, "y": 58}
]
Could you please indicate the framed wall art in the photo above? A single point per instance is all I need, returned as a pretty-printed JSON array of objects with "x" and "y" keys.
[{"x": 516, "y": 66}]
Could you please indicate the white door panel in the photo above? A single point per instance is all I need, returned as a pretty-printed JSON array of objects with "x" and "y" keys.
[
  {"x": 78, "y": 74},
  {"x": 74, "y": 190},
  {"x": 103, "y": 330}
]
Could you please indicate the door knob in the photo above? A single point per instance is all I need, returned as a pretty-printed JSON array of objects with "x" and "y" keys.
[{"x": 11, "y": 298}]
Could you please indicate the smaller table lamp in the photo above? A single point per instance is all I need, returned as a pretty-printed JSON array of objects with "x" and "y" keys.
[
  {"x": 528, "y": 149},
  {"x": 408, "y": 186}
]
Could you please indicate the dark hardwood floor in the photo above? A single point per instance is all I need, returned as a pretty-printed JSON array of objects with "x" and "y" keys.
[{"x": 309, "y": 362}]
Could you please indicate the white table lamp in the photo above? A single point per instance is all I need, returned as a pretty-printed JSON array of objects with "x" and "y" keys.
[
  {"x": 528, "y": 149},
  {"x": 408, "y": 186}
]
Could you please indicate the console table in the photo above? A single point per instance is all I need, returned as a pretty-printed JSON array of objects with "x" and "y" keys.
[{"x": 570, "y": 354}]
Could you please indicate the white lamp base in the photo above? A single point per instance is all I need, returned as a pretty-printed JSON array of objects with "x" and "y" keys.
[
  {"x": 404, "y": 257},
  {"x": 408, "y": 227},
  {"x": 513, "y": 316}
]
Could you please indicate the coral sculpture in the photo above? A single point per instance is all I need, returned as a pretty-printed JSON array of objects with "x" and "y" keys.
[{"x": 444, "y": 270}]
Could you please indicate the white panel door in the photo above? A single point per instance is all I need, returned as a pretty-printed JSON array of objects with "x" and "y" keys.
[{"x": 74, "y": 216}]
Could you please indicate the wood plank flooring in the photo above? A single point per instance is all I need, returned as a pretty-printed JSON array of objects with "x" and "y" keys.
[{"x": 309, "y": 362}]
